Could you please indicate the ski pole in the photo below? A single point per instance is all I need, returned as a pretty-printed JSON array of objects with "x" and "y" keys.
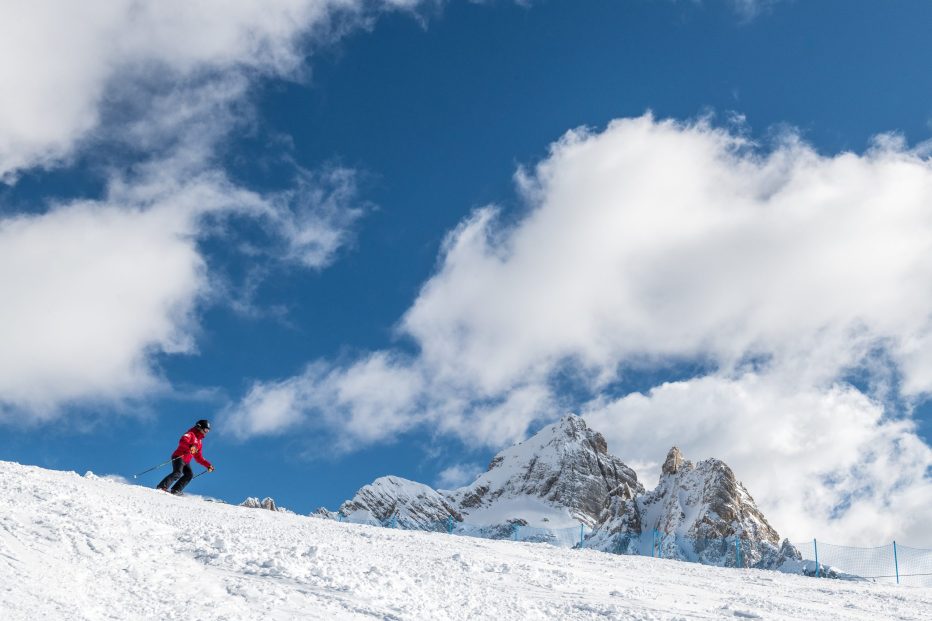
[
  {"x": 199, "y": 474},
  {"x": 153, "y": 468}
]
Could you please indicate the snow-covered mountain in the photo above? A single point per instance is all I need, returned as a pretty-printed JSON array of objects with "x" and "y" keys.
[
  {"x": 564, "y": 476},
  {"x": 558, "y": 478},
  {"x": 413, "y": 504},
  {"x": 697, "y": 512}
]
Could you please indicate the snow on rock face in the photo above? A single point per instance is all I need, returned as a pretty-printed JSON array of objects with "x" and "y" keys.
[
  {"x": 564, "y": 475},
  {"x": 698, "y": 511},
  {"x": 413, "y": 504},
  {"x": 265, "y": 503},
  {"x": 565, "y": 466},
  {"x": 558, "y": 478}
]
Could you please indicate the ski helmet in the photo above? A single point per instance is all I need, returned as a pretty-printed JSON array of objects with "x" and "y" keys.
[{"x": 203, "y": 424}]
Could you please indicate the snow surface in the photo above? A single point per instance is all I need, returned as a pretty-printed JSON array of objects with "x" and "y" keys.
[
  {"x": 75, "y": 547},
  {"x": 536, "y": 512}
]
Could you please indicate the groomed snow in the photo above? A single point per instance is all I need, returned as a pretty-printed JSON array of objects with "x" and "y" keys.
[{"x": 75, "y": 547}]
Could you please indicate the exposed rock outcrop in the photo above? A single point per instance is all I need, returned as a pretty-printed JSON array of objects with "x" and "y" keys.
[
  {"x": 673, "y": 462},
  {"x": 563, "y": 476},
  {"x": 413, "y": 505},
  {"x": 265, "y": 503},
  {"x": 558, "y": 478},
  {"x": 697, "y": 512},
  {"x": 565, "y": 466}
]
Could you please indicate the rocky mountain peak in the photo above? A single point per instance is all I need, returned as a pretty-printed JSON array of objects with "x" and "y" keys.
[
  {"x": 673, "y": 462},
  {"x": 564, "y": 475},
  {"x": 565, "y": 464},
  {"x": 692, "y": 514},
  {"x": 265, "y": 503},
  {"x": 575, "y": 430},
  {"x": 557, "y": 478},
  {"x": 415, "y": 504}
]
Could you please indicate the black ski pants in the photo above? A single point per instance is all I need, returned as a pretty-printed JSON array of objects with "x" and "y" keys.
[{"x": 181, "y": 472}]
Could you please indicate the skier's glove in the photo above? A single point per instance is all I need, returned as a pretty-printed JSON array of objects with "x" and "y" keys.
[{"x": 210, "y": 468}]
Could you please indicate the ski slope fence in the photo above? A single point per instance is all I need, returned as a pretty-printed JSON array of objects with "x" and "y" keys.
[{"x": 893, "y": 563}]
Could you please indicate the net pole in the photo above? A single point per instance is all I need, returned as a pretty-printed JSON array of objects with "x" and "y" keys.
[
  {"x": 815, "y": 547},
  {"x": 896, "y": 564}
]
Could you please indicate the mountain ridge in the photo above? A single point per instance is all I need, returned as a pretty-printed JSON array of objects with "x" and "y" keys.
[{"x": 563, "y": 476}]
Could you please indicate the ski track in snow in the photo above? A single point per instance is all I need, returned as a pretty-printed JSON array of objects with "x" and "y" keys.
[{"x": 75, "y": 547}]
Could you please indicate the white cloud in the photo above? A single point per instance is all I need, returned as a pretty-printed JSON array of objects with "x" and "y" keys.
[
  {"x": 379, "y": 396},
  {"x": 369, "y": 401},
  {"x": 66, "y": 65},
  {"x": 657, "y": 240},
  {"x": 653, "y": 243},
  {"x": 88, "y": 291},
  {"x": 94, "y": 290},
  {"x": 456, "y": 408},
  {"x": 315, "y": 218},
  {"x": 269, "y": 408},
  {"x": 826, "y": 463},
  {"x": 457, "y": 475}
]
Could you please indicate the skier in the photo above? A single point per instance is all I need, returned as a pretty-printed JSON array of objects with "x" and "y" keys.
[{"x": 189, "y": 446}]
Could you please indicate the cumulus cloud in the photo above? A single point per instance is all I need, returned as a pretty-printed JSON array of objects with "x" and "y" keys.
[
  {"x": 660, "y": 240},
  {"x": 824, "y": 462},
  {"x": 65, "y": 65},
  {"x": 786, "y": 273},
  {"x": 381, "y": 395},
  {"x": 656, "y": 240},
  {"x": 95, "y": 289},
  {"x": 89, "y": 291},
  {"x": 370, "y": 400},
  {"x": 458, "y": 475}
]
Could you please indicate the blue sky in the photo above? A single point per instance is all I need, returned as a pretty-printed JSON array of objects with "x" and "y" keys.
[{"x": 332, "y": 226}]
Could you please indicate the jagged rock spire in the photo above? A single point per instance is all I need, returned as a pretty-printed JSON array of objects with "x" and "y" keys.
[
  {"x": 266, "y": 503},
  {"x": 565, "y": 472},
  {"x": 673, "y": 462},
  {"x": 696, "y": 512}
]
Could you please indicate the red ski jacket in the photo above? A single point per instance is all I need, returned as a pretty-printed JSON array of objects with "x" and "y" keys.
[{"x": 192, "y": 440}]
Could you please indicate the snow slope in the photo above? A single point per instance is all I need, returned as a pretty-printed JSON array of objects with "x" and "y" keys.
[{"x": 75, "y": 547}]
